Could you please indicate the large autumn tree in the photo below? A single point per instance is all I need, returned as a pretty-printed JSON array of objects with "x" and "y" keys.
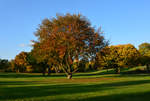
[
  {"x": 64, "y": 40},
  {"x": 118, "y": 56}
]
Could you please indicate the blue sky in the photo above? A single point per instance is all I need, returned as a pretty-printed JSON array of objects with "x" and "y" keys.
[{"x": 123, "y": 21}]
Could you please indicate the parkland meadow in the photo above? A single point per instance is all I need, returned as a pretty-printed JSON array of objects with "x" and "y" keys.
[{"x": 97, "y": 85}]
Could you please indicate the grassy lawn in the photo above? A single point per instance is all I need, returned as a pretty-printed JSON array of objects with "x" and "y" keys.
[{"x": 91, "y": 86}]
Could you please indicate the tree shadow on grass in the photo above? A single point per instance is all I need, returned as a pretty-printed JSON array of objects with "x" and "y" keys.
[
  {"x": 111, "y": 71},
  {"x": 97, "y": 73},
  {"x": 129, "y": 75},
  {"x": 140, "y": 96},
  {"x": 27, "y": 75},
  {"x": 114, "y": 75},
  {"x": 12, "y": 93},
  {"x": 17, "y": 75},
  {"x": 5, "y": 83}
]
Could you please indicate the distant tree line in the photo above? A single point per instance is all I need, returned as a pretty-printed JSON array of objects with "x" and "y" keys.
[{"x": 68, "y": 44}]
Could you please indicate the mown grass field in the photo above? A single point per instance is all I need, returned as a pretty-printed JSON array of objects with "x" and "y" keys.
[{"x": 91, "y": 86}]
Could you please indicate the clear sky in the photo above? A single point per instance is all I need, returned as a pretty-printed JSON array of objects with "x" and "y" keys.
[{"x": 123, "y": 21}]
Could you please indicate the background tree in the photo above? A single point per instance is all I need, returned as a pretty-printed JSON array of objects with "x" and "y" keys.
[
  {"x": 64, "y": 39},
  {"x": 13, "y": 65},
  {"x": 41, "y": 60},
  {"x": 118, "y": 56},
  {"x": 21, "y": 62},
  {"x": 144, "y": 50},
  {"x": 4, "y": 64}
]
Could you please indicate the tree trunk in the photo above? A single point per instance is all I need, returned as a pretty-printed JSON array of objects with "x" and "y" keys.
[
  {"x": 107, "y": 69},
  {"x": 148, "y": 67},
  {"x": 49, "y": 71},
  {"x": 56, "y": 70},
  {"x": 18, "y": 71},
  {"x": 44, "y": 71},
  {"x": 69, "y": 76},
  {"x": 117, "y": 70}
]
